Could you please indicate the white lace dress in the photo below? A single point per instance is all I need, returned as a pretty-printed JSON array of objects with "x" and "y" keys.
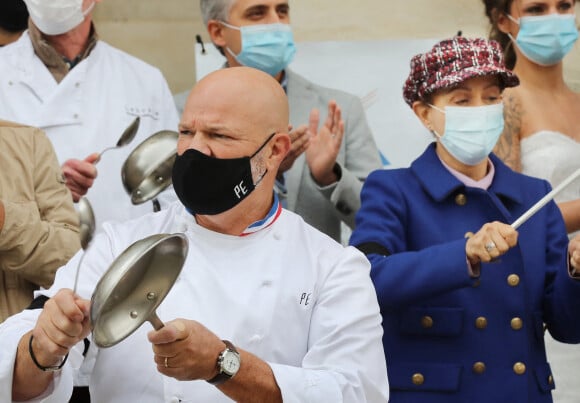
[{"x": 554, "y": 156}]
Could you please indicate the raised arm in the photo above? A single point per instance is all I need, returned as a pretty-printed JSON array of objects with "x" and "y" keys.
[{"x": 62, "y": 324}]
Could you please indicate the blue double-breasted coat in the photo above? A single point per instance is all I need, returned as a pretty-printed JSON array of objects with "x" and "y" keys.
[{"x": 449, "y": 337}]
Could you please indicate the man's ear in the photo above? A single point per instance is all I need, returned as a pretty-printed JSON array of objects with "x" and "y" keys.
[
  {"x": 215, "y": 30},
  {"x": 423, "y": 112},
  {"x": 280, "y": 147}
]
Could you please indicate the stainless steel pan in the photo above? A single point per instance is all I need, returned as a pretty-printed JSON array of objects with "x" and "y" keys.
[{"x": 134, "y": 285}]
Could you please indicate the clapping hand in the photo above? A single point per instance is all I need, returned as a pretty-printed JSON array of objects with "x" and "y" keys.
[
  {"x": 299, "y": 143},
  {"x": 324, "y": 144}
]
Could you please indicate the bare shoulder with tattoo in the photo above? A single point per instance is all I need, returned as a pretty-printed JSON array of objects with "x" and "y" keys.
[{"x": 508, "y": 146}]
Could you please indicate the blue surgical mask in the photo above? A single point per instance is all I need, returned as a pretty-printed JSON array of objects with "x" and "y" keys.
[
  {"x": 266, "y": 47},
  {"x": 546, "y": 39},
  {"x": 471, "y": 132}
]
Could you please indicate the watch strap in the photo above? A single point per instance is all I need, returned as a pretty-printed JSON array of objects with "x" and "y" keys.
[{"x": 221, "y": 377}]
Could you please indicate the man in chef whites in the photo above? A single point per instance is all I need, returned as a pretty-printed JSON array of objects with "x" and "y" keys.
[
  {"x": 83, "y": 93},
  {"x": 268, "y": 308}
]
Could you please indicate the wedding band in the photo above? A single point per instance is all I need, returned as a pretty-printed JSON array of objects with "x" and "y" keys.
[
  {"x": 166, "y": 366},
  {"x": 489, "y": 246}
]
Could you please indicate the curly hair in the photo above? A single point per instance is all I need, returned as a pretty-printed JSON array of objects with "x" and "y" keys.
[{"x": 494, "y": 9}]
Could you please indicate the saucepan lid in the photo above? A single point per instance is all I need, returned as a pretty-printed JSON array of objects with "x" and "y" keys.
[
  {"x": 134, "y": 285},
  {"x": 147, "y": 170}
]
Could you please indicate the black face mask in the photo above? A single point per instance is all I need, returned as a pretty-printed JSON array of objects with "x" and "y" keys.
[{"x": 208, "y": 186}]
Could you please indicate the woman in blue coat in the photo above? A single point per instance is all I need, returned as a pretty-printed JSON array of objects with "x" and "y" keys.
[{"x": 465, "y": 298}]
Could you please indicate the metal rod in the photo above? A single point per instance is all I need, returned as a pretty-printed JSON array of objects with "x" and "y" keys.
[
  {"x": 78, "y": 271},
  {"x": 544, "y": 200}
]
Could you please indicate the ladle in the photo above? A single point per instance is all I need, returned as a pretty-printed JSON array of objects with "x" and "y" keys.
[
  {"x": 126, "y": 137},
  {"x": 87, "y": 229},
  {"x": 134, "y": 286}
]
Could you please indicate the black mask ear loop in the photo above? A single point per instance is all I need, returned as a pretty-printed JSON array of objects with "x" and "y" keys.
[{"x": 257, "y": 151}]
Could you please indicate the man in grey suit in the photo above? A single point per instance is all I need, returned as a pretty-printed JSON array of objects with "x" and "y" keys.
[{"x": 322, "y": 176}]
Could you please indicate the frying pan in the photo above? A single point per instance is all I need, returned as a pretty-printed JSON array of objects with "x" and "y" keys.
[{"x": 134, "y": 285}]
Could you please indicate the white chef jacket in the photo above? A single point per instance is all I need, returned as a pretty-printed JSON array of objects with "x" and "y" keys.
[
  {"x": 88, "y": 111},
  {"x": 288, "y": 294}
]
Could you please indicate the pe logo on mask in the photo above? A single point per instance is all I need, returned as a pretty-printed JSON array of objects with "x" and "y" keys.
[{"x": 240, "y": 190}]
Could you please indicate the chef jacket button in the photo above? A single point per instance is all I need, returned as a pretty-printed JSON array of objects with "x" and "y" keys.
[
  {"x": 513, "y": 280},
  {"x": 427, "y": 322},
  {"x": 76, "y": 115},
  {"x": 519, "y": 368},
  {"x": 478, "y": 368},
  {"x": 418, "y": 379},
  {"x": 481, "y": 322},
  {"x": 277, "y": 236},
  {"x": 77, "y": 84},
  {"x": 10, "y": 82},
  {"x": 461, "y": 199},
  {"x": 517, "y": 323}
]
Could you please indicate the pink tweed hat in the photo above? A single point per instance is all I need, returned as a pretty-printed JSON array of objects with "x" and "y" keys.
[{"x": 453, "y": 61}]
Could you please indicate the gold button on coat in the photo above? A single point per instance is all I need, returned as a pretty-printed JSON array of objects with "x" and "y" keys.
[
  {"x": 460, "y": 199},
  {"x": 513, "y": 280},
  {"x": 479, "y": 368},
  {"x": 427, "y": 322},
  {"x": 481, "y": 322},
  {"x": 517, "y": 323},
  {"x": 550, "y": 379},
  {"x": 519, "y": 368},
  {"x": 418, "y": 379}
]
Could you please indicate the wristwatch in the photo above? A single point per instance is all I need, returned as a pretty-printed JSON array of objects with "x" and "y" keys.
[{"x": 228, "y": 364}]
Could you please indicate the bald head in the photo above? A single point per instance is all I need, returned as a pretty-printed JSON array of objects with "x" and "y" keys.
[
  {"x": 233, "y": 113},
  {"x": 241, "y": 97}
]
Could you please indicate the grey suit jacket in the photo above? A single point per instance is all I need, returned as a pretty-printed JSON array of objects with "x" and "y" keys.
[{"x": 324, "y": 208}]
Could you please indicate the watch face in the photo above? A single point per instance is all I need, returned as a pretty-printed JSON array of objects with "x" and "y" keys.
[{"x": 231, "y": 363}]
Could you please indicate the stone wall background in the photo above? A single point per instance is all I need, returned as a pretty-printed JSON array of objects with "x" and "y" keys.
[{"x": 162, "y": 32}]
